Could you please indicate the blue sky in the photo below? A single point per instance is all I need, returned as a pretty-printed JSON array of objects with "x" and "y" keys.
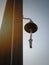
[
  {"x": 38, "y": 11},
  {"x": 2, "y": 8}
]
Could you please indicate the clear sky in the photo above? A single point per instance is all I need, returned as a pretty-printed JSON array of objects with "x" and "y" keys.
[
  {"x": 2, "y": 8},
  {"x": 38, "y": 11}
]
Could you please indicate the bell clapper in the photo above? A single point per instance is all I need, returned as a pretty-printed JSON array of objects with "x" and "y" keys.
[{"x": 30, "y": 40}]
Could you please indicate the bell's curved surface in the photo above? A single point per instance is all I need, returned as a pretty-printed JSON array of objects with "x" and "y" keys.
[{"x": 30, "y": 26}]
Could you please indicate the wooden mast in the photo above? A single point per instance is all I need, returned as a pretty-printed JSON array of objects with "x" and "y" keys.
[{"x": 6, "y": 34}]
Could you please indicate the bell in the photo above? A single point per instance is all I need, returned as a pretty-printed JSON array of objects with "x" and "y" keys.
[{"x": 30, "y": 28}]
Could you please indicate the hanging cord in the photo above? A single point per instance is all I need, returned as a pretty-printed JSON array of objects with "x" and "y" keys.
[
  {"x": 12, "y": 34},
  {"x": 27, "y": 18}
]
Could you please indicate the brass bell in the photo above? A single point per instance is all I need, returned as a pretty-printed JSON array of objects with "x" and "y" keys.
[{"x": 30, "y": 27}]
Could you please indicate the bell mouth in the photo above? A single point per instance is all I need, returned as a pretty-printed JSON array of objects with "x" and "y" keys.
[{"x": 31, "y": 26}]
